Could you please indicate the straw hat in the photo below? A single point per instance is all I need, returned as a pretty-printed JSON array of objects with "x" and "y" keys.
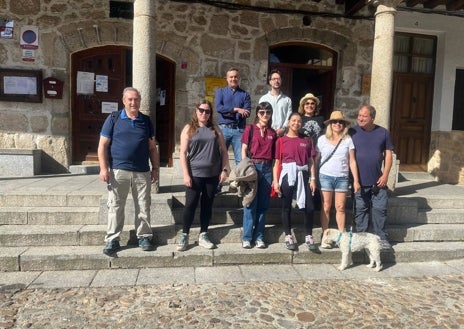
[
  {"x": 309, "y": 96},
  {"x": 335, "y": 116}
]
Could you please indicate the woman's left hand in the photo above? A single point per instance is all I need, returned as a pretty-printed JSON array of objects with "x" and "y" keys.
[{"x": 222, "y": 177}]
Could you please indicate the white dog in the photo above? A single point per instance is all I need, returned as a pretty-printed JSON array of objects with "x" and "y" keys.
[{"x": 349, "y": 242}]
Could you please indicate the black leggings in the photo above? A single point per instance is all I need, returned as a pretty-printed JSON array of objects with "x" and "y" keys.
[
  {"x": 287, "y": 197},
  {"x": 204, "y": 187}
]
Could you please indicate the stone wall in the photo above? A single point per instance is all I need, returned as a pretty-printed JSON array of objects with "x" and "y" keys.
[
  {"x": 446, "y": 157},
  {"x": 209, "y": 39}
]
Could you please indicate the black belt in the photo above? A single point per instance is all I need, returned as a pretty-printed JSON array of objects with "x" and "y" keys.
[
  {"x": 261, "y": 161},
  {"x": 229, "y": 125}
]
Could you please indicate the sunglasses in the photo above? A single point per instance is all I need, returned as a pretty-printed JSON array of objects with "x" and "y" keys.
[
  {"x": 337, "y": 121},
  {"x": 310, "y": 103},
  {"x": 205, "y": 111},
  {"x": 267, "y": 112}
]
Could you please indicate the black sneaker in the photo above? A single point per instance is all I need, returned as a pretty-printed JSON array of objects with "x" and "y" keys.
[
  {"x": 311, "y": 245},
  {"x": 145, "y": 244},
  {"x": 289, "y": 243},
  {"x": 111, "y": 248}
]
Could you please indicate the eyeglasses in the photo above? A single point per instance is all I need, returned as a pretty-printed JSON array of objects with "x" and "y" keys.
[
  {"x": 205, "y": 111},
  {"x": 310, "y": 103},
  {"x": 267, "y": 112},
  {"x": 275, "y": 79},
  {"x": 341, "y": 122}
]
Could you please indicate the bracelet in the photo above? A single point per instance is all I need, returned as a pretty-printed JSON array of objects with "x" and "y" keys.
[{"x": 313, "y": 178}]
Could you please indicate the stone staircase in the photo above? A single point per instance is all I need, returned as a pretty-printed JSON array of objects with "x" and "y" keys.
[{"x": 58, "y": 223}]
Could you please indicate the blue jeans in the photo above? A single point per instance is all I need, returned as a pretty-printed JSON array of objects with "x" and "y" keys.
[
  {"x": 254, "y": 216},
  {"x": 233, "y": 136},
  {"x": 371, "y": 211}
]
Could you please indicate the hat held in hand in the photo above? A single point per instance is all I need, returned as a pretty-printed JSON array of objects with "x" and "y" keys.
[{"x": 337, "y": 116}]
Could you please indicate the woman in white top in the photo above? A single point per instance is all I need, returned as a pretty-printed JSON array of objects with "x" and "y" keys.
[{"x": 336, "y": 158}]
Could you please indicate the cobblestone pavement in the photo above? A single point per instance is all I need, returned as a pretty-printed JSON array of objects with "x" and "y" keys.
[{"x": 382, "y": 302}]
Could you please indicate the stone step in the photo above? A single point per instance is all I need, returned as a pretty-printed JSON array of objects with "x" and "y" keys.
[
  {"x": 55, "y": 199},
  {"x": 53, "y": 258},
  {"x": 437, "y": 201},
  {"x": 48, "y": 215},
  {"x": 82, "y": 235},
  {"x": 164, "y": 214}
]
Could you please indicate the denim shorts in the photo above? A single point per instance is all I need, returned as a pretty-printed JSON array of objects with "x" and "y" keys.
[{"x": 330, "y": 183}]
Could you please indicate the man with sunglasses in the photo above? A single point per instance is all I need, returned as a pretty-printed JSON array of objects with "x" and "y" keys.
[
  {"x": 233, "y": 105},
  {"x": 281, "y": 104},
  {"x": 374, "y": 156}
]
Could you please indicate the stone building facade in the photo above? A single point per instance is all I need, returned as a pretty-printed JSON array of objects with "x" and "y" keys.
[{"x": 207, "y": 40}]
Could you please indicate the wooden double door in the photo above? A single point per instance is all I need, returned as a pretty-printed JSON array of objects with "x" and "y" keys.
[{"x": 115, "y": 63}]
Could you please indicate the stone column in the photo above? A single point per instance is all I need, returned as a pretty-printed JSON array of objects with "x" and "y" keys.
[
  {"x": 382, "y": 60},
  {"x": 144, "y": 56}
]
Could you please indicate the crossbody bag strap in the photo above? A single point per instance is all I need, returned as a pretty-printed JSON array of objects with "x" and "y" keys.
[
  {"x": 250, "y": 138},
  {"x": 328, "y": 158}
]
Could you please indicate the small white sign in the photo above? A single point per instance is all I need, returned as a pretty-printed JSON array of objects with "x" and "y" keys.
[
  {"x": 101, "y": 83},
  {"x": 108, "y": 107}
]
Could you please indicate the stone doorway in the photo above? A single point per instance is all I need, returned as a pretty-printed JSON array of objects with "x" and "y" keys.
[{"x": 305, "y": 68}]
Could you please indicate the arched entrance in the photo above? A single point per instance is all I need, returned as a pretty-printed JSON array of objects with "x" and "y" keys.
[
  {"x": 306, "y": 67},
  {"x": 90, "y": 106}
]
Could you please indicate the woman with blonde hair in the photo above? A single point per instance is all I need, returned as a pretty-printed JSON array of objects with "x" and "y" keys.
[
  {"x": 205, "y": 163},
  {"x": 336, "y": 158}
]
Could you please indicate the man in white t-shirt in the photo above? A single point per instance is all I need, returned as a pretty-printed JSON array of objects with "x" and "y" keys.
[{"x": 281, "y": 104}]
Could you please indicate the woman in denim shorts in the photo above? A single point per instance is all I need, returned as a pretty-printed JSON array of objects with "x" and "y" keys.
[{"x": 336, "y": 158}]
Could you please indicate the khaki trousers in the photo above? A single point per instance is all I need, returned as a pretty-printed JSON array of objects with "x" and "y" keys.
[{"x": 121, "y": 181}]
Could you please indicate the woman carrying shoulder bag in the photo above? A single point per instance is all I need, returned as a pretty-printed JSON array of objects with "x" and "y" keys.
[
  {"x": 258, "y": 143},
  {"x": 335, "y": 153}
]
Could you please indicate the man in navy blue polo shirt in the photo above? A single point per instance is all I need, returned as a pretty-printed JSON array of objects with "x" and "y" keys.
[
  {"x": 233, "y": 105},
  {"x": 127, "y": 144},
  {"x": 374, "y": 156}
]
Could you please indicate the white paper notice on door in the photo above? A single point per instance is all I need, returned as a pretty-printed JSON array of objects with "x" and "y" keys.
[
  {"x": 108, "y": 107},
  {"x": 101, "y": 83},
  {"x": 85, "y": 83}
]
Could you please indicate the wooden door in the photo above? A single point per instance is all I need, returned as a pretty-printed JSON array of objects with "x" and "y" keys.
[
  {"x": 87, "y": 117},
  {"x": 165, "y": 109},
  {"x": 411, "y": 117}
]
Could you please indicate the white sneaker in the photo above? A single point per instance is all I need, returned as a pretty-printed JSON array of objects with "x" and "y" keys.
[
  {"x": 325, "y": 244},
  {"x": 246, "y": 244},
  {"x": 204, "y": 241},
  {"x": 183, "y": 242},
  {"x": 260, "y": 244}
]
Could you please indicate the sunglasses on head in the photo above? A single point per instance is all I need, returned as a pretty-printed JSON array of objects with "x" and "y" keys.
[
  {"x": 205, "y": 111},
  {"x": 265, "y": 112},
  {"x": 337, "y": 121}
]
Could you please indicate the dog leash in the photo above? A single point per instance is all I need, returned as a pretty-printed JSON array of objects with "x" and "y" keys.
[{"x": 339, "y": 237}]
